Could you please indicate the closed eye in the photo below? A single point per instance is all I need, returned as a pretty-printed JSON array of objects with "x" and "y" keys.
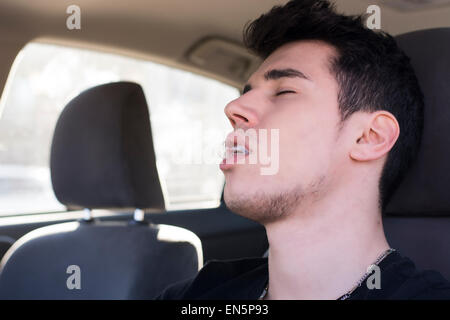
[{"x": 284, "y": 92}]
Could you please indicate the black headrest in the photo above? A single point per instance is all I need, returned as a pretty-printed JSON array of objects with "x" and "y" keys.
[
  {"x": 102, "y": 153},
  {"x": 426, "y": 188}
]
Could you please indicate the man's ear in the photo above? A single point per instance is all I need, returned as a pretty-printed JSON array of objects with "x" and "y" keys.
[{"x": 379, "y": 134}]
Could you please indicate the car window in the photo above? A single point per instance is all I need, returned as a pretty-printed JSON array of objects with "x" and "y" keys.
[{"x": 186, "y": 113}]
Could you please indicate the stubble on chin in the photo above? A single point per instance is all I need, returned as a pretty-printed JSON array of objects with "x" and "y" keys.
[{"x": 265, "y": 207}]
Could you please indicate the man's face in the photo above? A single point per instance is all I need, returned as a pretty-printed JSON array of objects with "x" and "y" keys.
[{"x": 292, "y": 91}]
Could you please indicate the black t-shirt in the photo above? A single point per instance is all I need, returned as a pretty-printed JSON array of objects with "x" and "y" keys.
[{"x": 245, "y": 279}]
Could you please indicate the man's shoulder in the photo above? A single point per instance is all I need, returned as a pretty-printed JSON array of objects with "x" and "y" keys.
[
  {"x": 402, "y": 280},
  {"x": 425, "y": 285},
  {"x": 217, "y": 277}
]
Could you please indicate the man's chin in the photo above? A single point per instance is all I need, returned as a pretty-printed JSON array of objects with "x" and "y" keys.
[
  {"x": 240, "y": 203},
  {"x": 261, "y": 207}
]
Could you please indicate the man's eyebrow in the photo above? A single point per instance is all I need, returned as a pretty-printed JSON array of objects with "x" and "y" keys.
[{"x": 276, "y": 74}]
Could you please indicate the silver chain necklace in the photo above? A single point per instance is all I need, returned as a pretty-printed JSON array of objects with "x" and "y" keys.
[{"x": 358, "y": 284}]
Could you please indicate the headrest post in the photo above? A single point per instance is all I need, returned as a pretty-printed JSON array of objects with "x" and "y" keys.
[
  {"x": 139, "y": 215},
  {"x": 87, "y": 214}
]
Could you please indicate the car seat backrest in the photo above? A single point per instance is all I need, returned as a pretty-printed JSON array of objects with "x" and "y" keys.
[
  {"x": 417, "y": 219},
  {"x": 102, "y": 157}
]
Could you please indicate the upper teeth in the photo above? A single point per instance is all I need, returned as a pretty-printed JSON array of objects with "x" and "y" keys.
[{"x": 239, "y": 149}]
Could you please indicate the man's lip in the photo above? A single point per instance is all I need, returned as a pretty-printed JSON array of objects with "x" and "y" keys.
[
  {"x": 226, "y": 165},
  {"x": 232, "y": 141}
]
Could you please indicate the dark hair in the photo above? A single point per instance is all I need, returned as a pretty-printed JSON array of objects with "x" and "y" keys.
[{"x": 372, "y": 72}]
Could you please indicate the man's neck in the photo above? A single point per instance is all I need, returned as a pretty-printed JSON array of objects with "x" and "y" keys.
[{"x": 320, "y": 252}]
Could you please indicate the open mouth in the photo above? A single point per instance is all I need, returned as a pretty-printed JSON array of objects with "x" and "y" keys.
[
  {"x": 238, "y": 149},
  {"x": 234, "y": 154}
]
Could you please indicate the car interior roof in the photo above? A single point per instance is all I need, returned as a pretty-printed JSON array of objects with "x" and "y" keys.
[{"x": 165, "y": 31}]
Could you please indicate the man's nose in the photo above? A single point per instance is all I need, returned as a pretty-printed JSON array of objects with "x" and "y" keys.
[{"x": 240, "y": 114}]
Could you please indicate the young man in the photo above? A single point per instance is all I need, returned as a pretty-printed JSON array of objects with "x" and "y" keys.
[{"x": 349, "y": 113}]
